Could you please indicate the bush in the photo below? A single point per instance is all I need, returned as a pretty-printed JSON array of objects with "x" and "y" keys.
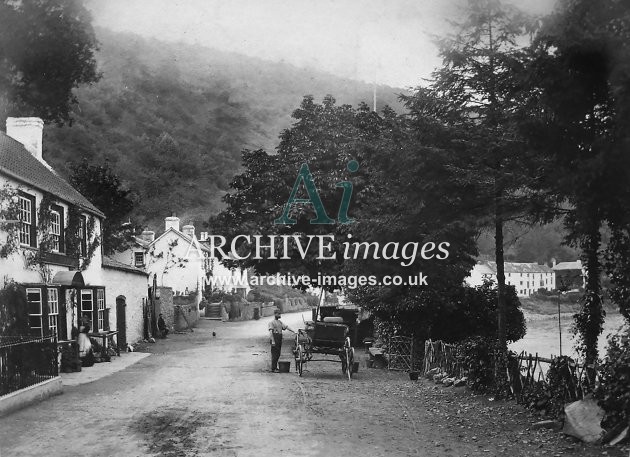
[
  {"x": 476, "y": 355},
  {"x": 473, "y": 312},
  {"x": 13, "y": 317},
  {"x": 451, "y": 315},
  {"x": 613, "y": 392},
  {"x": 486, "y": 365},
  {"x": 552, "y": 396}
]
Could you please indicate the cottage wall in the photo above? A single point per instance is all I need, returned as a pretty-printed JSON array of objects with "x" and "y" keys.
[
  {"x": 15, "y": 268},
  {"x": 133, "y": 286},
  {"x": 179, "y": 265}
]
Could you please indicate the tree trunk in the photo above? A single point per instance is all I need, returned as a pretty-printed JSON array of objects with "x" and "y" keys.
[
  {"x": 500, "y": 261},
  {"x": 591, "y": 317}
]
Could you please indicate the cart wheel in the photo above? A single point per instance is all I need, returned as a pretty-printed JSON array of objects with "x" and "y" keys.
[
  {"x": 349, "y": 363},
  {"x": 299, "y": 361},
  {"x": 349, "y": 358}
]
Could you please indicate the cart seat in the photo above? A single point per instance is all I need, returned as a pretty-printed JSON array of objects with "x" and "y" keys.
[
  {"x": 333, "y": 320},
  {"x": 328, "y": 334}
]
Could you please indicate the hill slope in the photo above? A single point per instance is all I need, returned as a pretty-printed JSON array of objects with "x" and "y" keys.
[{"x": 172, "y": 119}]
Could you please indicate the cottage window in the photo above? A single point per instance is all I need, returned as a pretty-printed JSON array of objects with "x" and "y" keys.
[
  {"x": 28, "y": 234},
  {"x": 34, "y": 306},
  {"x": 53, "y": 312},
  {"x": 100, "y": 304},
  {"x": 138, "y": 258},
  {"x": 207, "y": 263},
  {"x": 86, "y": 303},
  {"x": 55, "y": 230},
  {"x": 83, "y": 236}
]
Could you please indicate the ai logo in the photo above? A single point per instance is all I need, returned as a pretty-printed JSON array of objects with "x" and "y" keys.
[{"x": 305, "y": 177}]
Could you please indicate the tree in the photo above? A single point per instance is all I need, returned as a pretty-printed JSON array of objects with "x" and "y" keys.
[
  {"x": 399, "y": 196},
  {"x": 413, "y": 196},
  {"x": 46, "y": 50},
  {"x": 102, "y": 187},
  {"x": 577, "y": 116},
  {"x": 325, "y": 137},
  {"x": 476, "y": 92}
]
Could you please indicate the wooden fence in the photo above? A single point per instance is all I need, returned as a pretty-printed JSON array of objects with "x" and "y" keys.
[
  {"x": 438, "y": 354},
  {"x": 525, "y": 372},
  {"x": 574, "y": 380}
]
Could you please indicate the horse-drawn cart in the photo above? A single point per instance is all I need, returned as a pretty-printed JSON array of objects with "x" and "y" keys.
[{"x": 330, "y": 336}]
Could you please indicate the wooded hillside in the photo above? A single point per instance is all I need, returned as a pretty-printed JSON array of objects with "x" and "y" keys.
[{"x": 172, "y": 119}]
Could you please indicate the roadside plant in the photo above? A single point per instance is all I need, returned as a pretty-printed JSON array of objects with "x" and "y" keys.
[
  {"x": 13, "y": 317},
  {"x": 560, "y": 388},
  {"x": 9, "y": 214},
  {"x": 476, "y": 355},
  {"x": 613, "y": 392}
]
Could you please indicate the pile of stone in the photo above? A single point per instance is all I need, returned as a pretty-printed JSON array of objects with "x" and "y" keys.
[{"x": 441, "y": 377}]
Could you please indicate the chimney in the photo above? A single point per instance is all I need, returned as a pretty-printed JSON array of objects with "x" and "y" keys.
[
  {"x": 171, "y": 222},
  {"x": 148, "y": 235},
  {"x": 189, "y": 230},
  {"x": 553, "y": 262},
  {"x": 28, "y": 131},
  {"x": 203, "y": 236}
]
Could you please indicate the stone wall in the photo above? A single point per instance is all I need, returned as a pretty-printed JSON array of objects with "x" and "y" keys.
[
  {"x": 242, "y": 310},
  {"x": 188, "y": 311},
  {"x": 179, "y": 311},
  {"x": 289, "y": 305},
  {"x": 164, "y": 305}
]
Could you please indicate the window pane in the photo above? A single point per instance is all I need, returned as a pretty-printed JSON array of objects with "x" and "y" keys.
[
  {"x": 34, "y": 301},
  {"x": 53, "y": 301},
  {"x": 52, "y": 325},
  {"x": 139, "y": 259},
  {"x": 25, "y": 217},
  {"x": 86, "y": 300},
  {"x": 55, "y": 230}
]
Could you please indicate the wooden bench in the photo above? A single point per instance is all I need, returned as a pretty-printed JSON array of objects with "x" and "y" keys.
[
  {"x": 107, "y": 343},
  {"x": 377, "y": 355}
]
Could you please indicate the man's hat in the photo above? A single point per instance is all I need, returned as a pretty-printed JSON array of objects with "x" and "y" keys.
[{"x": 276, "y": 311}]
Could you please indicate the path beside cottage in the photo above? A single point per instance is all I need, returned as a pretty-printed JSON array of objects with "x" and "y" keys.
[{"x": 199, "y": 395}]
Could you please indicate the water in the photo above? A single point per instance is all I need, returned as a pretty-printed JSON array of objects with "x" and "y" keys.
[{"x": 543, "y": 337}]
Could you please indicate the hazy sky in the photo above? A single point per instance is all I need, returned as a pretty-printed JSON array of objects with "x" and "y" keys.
[{"x": 380, "y": 41}]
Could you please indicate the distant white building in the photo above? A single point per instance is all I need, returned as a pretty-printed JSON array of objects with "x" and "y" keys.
[
  {"x": 526, "y": 278},
  {"x": 181, "y": 261},
  {"x": 570, "y": 275}
]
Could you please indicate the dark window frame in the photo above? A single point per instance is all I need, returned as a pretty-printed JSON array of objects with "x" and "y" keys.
[
  {"x": 62, "y": 227},
  {"x": 136, "y": 257},
  {"x": 33, "y": 223}
]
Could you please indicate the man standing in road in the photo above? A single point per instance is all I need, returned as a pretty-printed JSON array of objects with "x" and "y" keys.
[{"x": 276, "y": 327}]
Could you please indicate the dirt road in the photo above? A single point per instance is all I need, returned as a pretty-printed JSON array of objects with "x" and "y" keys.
[{"x": 199, "y": 395}]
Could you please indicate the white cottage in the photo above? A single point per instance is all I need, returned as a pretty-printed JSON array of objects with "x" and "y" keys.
[
  {"x": 175, "y": 258},
  {"x": 50, "y": 244}
]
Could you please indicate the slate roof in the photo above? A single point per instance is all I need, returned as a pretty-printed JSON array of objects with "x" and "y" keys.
[
  {"x": 186, "y": 238},
  {"x": 18, "y": 163},
  {"x": 142, "y": 243},
  {"x": 108, "y": 262},
  {"x": 513, "y": 267},
  {"x": 577, "y": 265}
]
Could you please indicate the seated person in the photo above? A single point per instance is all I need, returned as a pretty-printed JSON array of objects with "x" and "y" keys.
[
  {"x": 86, "y": 353},
  {"x": 162, "y": 329}
]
